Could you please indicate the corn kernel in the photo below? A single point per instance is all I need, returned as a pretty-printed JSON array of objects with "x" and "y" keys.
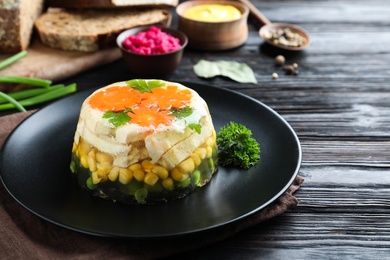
[
  {"x": 103, "y": 157},
  {"x": 161, "y": 172},
  {"x": 125, "y": 176},
  {"x": 147, "y": 165},
  {"x": 187, "y": 166},
  {"x": 139, "y": 175},
  {"x": 84, "y": 161},
  {"x": 92, "y": 153},
  {"x": 92, "y": 164},
  {"x": 103, "y": 178},
  {"x": 201, "y": 152},
  {"x": 136, "y": 166},
  {"x": 95, "y": 178},
  {"x": 74, "y": 147},
  {"x": 177, "y": 175},
  {"x": 84, "y": 148},
  {"x": 168, "y": 183},
  {"x": 209, "y": 151},
  {"x": 150, "y": 178},
  {"x": 195, "y": 157},
  {"x": 210, "y": 141},
  {"x": 104, "y": 168},
  {"x": 114, "y": 173}
]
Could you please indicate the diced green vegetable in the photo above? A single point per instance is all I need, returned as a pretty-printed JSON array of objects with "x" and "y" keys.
[
  {"x": 195, "y": 177},
  {"x": 90, "y": 184},
  {"x": 5, "y": 63},
  {"x": 141, "y": 194}
]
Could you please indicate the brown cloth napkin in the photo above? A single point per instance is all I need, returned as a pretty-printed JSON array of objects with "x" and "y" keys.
[{"x": 24, "y": 235}]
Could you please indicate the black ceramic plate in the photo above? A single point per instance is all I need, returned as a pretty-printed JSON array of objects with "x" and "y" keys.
[{"x": 34, "y": 166}]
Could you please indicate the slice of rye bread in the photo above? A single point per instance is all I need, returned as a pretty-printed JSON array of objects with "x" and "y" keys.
[
  {"x": 91, "y": 30},
  {"x": 16, "y": 23},
  {"x": 80, "y": 4}
]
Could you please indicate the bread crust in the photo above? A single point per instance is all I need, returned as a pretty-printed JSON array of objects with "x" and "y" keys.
[
  {"x": 83, "y": 4},
  {"x": 9, "y": 31},
  {"x": 91, "y": 30}
]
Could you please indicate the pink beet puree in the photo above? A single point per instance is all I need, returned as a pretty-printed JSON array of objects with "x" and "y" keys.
[{"x": 153, "y": 41}]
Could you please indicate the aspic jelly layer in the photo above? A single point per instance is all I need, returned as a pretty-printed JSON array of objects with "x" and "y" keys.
[{"x": 142, "y": 182}]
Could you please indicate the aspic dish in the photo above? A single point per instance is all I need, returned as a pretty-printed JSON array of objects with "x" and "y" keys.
[{"x": 144, "y": 142}]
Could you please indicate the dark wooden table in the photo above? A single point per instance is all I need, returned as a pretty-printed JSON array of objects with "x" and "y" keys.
[{"x": 339, "y": 106}]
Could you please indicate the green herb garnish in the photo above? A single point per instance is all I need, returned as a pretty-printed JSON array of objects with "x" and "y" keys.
[
  {"x": 118, "y": 118},
  {"x": 143, "y": 85},
  {"x": 182, "y": 112},
  {"x": 237, "y": 147},
  {"x": 196, "y": 127}
]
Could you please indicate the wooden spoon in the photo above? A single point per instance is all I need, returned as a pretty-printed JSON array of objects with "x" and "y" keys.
[{"x": 269, "y": 31}]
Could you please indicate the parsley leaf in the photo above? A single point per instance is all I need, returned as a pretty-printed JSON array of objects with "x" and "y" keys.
[
  {"x": 182, "y": 112},
  {"x": 144, "y": 86},
  {"x": 118, "y": 118},
  {"x": 237, "y": 147},
  {"x": 196, "y": 127}
]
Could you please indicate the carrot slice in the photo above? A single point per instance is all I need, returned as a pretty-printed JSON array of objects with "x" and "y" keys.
[
  {"x": 115, "y": 99},
  {"x": 149, "y": 109},
  {"x": 167, "y": 98},
  {"x": 145, "y": 116}
]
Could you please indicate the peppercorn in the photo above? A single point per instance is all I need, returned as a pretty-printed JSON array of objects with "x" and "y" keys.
[
  {"x": 280, "y": 60},
  {"x": 290, "y": 70}
]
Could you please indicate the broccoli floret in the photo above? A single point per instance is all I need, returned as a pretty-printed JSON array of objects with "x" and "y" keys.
[{"x": 237, "y": 147}]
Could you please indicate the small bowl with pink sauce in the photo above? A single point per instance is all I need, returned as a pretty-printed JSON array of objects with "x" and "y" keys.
[{"x": 151, "y": 51}]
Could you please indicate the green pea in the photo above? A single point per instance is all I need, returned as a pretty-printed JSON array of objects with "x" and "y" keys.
[
  {"x": 141, "y": 194},
  {"x": 132, "y": 187},
  {"x": 73, "y": 167},
  {"x": 211, "y": 164},
  {"x": 185, "y": 183},
  {"x": 195, "y": 177},
  {"x": 90, "y": 184},
  {"x": 157, "y": 187}
]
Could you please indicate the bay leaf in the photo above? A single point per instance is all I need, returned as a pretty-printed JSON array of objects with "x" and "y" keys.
[
  {"x": 236, "y": 71},
  {"x": 206, "y": 69}
]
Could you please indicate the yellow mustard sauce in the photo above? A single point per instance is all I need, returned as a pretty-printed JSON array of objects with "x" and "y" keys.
[{"x": 212, "y": 13}]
